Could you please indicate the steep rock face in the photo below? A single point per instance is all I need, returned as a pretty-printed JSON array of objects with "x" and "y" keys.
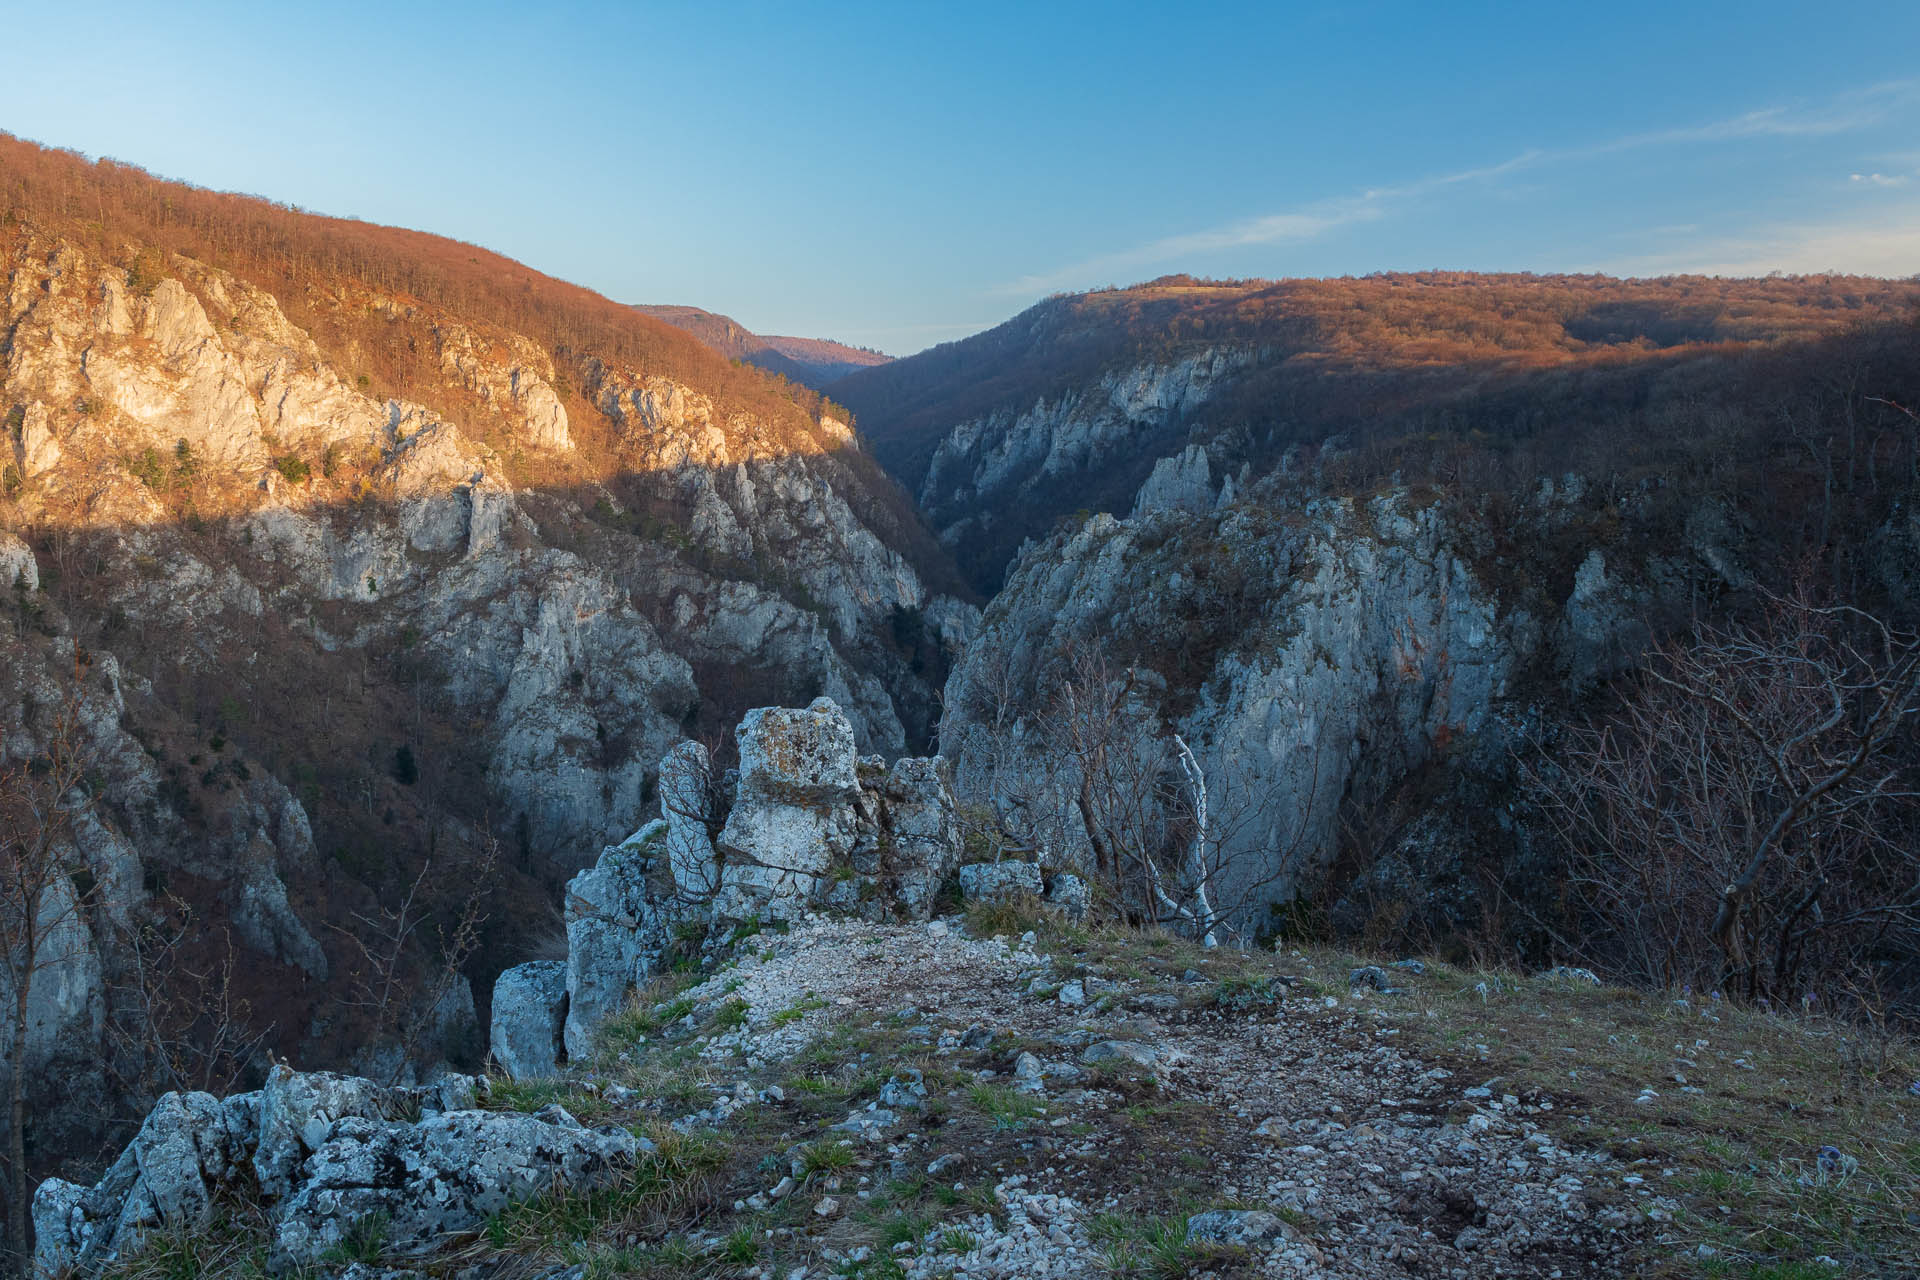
[
  {"x": 122, "y": 842},
  {"x": 332, "y": 635},
  {"x": 1313, "y": 658},
  {"x": 201, "y": 382},
  {"x": 1031, "y": 462}
]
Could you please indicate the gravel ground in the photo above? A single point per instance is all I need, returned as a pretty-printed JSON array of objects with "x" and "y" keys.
[{"x": 1336, "y": 1153}]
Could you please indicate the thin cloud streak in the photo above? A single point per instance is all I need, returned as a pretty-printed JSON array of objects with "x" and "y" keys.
[
  {"x": 1306, "y": 223},
  {"x": 1851, "y": 111}
]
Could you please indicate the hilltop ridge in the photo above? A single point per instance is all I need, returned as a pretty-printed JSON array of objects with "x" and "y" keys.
[{"x": 812, "y": 362}]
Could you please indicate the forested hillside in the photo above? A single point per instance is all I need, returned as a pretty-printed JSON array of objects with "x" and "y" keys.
[
  {"x": 1068, "y": 405},
  {"x": 372, "y": 574}
]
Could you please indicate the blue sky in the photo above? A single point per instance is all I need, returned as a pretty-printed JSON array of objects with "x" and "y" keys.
[{"x": 898, "y": 175}]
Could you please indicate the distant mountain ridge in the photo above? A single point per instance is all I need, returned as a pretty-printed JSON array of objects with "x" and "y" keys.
[
  {"x": 1069, "y": 405},
  {"x": 811, "y": 362}
]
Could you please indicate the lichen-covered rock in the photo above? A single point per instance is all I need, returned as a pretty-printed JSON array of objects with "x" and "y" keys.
[
  {"x": 922, "y": 838},
  {"x": 1070, "y": 895},
  {"x": 445, "y": 1175},
  {"x": 527, "y": 1037},
  {"x": 999, "y": 881},
  {"x": 191, "y": 1146},
  {"x": 195, "y": 1150},
  {"x": 794, "y": 816},
  {"x": 298, "y": 1110},
  {"x": 1240, "y": 1227},
  {"x": 686, "y": 806},
  {"x": 615, "y": 927}
]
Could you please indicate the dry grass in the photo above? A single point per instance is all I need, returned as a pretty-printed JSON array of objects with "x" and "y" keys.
[
  {"x": 1742, "y": 1103},
  {"x": 1729, "y": 1156}
]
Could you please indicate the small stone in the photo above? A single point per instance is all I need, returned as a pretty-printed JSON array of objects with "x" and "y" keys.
[
  {"x": 1369, "y": 976},
  {"x": 1235, "y": 1226},
  {"x": 827, "y": 1207},
  {"x": 1121, "y": 1051}
]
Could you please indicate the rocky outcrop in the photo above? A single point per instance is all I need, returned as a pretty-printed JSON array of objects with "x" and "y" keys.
[
  {"x": 794, "y": 817},
  {"x": 198, "y": 382},
  {"x": 999, "y": 881},
  {"x": 293, "y": 555},
  {"x": 321, "y": 1154},
  {"x": 987, "y": 463},
  {"x": 617, "y": 922},
  {"x": 1011, "y": 472},
  {"x": 1308, "y": 662},
  {"x": 803, "y": 824},
  {"x": 527, "y": 1039}
]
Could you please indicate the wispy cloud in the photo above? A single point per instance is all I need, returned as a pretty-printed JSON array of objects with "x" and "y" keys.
[
  {"x": 1881, "y": 179},
  {"x": 1309, "y": 222},
  {"x": 1854, "y": 110}
]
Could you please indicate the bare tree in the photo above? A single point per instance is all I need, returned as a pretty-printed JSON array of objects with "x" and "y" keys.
[
  {"x": 1745, "y": 818},
  {"x": 43, "y": 894},
  {"x": 181, "y": 1023},
  {"x": 399, "y": 991},
  {"x": 1171, "y": 847}
]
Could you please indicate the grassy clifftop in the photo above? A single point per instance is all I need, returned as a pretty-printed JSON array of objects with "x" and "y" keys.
[{"x": 1010, "y": 1094}]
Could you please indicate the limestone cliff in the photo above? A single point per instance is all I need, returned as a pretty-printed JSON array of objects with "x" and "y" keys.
[{"x": 326, "y": 637}]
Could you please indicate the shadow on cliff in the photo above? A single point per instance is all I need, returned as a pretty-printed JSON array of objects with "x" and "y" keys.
[{"x": 234, "y": 702}]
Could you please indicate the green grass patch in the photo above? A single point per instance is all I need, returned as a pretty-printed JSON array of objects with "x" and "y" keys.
[
  {"x": 793, "y": 1013},
  {"x": 825, "y": 1158},
  {"x": 731, "y": 1015},
  {"x": 666, "y": 1185},
  {"x": 531, "y": 1095},
  {"x": 1149, "y": 1248},
  {"x": 1007, "y": 1107}
]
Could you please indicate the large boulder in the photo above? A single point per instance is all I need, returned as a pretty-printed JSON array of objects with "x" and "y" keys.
[
  {"x": 190, "y": 1147},
  {"x": 686, "y": 806},
  {"x": 999, "y": 881},
  {"x": 795, "y": 817},
  {"x": 195, "y": 1151},
  {"x": 922, "y": 836},
  {"x": 443, "y": 1176},
  {"x": 297, "y": 1112},
  {"x": 527, "y": 1038},
  {"x": 616, "y": 926}
]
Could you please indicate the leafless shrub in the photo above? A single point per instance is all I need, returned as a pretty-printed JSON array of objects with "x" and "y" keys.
[
  {"x": 397, "y": 990},
  {"x": 179, "y": 1021},
  {"x": 1744, "y": 820}
]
